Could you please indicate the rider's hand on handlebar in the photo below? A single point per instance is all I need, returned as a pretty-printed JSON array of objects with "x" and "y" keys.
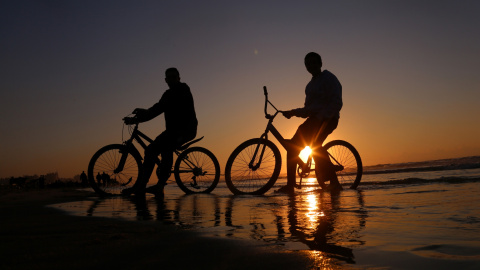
[
  {"x": 130, "y": 120},
  {"x": 287, "y": 114}
]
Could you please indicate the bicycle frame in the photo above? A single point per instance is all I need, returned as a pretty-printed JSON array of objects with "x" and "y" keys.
[
  {"x": 139, "y": 136},
  {"x": 270, "y": 128},
  {"x": 306, "y": 166}
]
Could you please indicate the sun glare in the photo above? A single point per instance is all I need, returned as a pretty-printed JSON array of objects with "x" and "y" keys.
[{"x": 305, "y": 153}]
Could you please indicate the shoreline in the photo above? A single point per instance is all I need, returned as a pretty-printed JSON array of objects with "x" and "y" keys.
[
  {"x": 413, "y": 226},
  {"x": 40, "y": 237}
]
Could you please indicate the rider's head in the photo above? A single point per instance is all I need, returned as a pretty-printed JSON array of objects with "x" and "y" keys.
[
  {"x": 313, "y": 63},
  {"x": 172, "y": 76}
]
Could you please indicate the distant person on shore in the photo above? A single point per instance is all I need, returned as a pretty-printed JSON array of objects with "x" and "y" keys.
[
  {"x": 323, "y": 102},
  {"x": 105, "y": 179},
  {"x": 181, "y": 126},
  {"x": 99, "y": 179},
  {"x": 84, "y": 179}
]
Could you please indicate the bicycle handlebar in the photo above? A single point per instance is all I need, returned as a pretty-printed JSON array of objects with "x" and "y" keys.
[
  {"x": 130, "y": 120},
  {"x": 268, "y": 116},
  {"x": 266, "y": 100}
]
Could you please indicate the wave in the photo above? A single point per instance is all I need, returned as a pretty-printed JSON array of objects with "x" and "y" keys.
[
  {"x": 418, "y": 181},
  {"x": 466, "y": 166},
  {"x": 462, "y": 163}
]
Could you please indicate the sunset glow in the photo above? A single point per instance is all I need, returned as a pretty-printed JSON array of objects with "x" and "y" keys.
[
  {"x": 72, "y": 71},
  {"x": 305, "y": 153}
]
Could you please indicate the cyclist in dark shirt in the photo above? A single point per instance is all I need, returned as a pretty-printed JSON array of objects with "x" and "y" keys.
[{"x": 181, "y": 126}]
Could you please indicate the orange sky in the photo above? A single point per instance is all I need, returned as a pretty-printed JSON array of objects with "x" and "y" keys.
[{"x": 71, "y": 71}]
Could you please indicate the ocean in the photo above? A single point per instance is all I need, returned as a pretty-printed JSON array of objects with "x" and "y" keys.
[{"x": 421, "y": 215}]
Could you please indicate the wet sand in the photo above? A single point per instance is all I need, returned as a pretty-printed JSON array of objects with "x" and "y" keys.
[
  {"x": 34, "y": 236},
  {"x": 425, "y": 226}
]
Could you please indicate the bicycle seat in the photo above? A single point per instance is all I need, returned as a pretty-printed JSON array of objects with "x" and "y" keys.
[{"x": 186, "y": 145}]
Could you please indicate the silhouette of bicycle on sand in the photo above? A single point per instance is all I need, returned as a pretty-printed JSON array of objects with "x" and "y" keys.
[
  {"x": 254, "y": 166},
  {"x": 196, "y": 169}
]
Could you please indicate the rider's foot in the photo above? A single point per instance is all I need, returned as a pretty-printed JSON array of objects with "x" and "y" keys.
[
  {"x": 157, "y": 190},
  {"x": 133, "y": 191},
  {"x": 286, "y": 189},
  {"x": 334, "y": 187}
]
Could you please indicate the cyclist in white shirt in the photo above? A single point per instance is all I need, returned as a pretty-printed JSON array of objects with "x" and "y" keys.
[{"x": 323, "y": 103}]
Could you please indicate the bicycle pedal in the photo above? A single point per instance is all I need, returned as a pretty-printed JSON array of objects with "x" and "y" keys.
[{"x": 298, "y": 186}]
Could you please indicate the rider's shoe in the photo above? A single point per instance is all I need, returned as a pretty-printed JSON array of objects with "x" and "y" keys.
[
  {"x": 286, "y": 189},
  {"x": 156, "y": 190},
  {"x": 133, "y": 191},
  {"x": 334, "y": 187}
]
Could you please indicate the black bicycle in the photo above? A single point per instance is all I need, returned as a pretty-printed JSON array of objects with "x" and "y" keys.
[
  {"x": 254, "y": 166},
  {"x": 118, "y": 166}
]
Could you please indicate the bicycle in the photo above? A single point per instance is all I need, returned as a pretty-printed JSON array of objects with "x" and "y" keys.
[
  {"x": 254, "y": 166},
  {"x": 118, "y": 166}
]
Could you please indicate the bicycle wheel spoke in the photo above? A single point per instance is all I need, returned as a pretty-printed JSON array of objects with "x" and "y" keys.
[
  {"x": 103, "y": 165},
  {"x": 345, "y": 155},
  {"x": 250, "y": 172},
  {"x": 197, "y": 170}
]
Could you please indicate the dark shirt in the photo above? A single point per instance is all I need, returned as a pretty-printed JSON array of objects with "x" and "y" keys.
[
  {"x": 323, "y": 98},
  {"x": 177, "y": 104}
]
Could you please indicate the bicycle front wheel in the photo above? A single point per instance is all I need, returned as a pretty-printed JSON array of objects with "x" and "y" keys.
[
  {"x": 347, "y": 162},
  {"x": 253, "y": 167},
  {"x": 197, "y": 170},
  {"x": 113, "y": 168}
]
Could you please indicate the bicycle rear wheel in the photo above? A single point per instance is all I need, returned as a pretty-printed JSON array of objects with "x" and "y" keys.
[
  {"x": 347, "y": 162},
  {"x": 104, "y": 174},
  {"x": 248, "y": 171},
  {"x": 197, "y": 170}
]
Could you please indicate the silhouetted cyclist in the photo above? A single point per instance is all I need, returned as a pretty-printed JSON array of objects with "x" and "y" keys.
[
  {"x": 181, "y": 126},
  {"x": 323, "y": 102}
]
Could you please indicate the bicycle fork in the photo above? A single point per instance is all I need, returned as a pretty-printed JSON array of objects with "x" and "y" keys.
[
  {"x": 256, "y": 166},
  {"x": 123, "y": 159}
]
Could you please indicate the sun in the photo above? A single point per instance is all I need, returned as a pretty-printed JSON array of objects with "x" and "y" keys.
[{"x": 305, "y": 153}]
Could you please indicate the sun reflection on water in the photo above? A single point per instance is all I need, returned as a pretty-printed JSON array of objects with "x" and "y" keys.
[
  {"x": 308, "y": 222},
  {"x": 312, "y": 210}
]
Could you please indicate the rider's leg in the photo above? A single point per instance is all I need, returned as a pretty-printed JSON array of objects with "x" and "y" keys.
[
  {"x": 151, "y": 155},
  {"x": 165, "y": 166},
  {"x": 292, "y": 161},
  {"x": 162, "y": 145},
  {"x": 164, "y": 172},
  {"x": 166, "y": 145},
  {"x": 294, "y": 147},
  {"x": 324, "y": 168}
]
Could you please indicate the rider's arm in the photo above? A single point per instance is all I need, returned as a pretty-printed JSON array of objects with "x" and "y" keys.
[
  {"x": 323, "y": 99},
  {"x": 144, "y": 115}
]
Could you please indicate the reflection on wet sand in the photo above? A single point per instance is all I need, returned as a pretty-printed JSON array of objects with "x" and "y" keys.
[{"x": 324, "y": 224}]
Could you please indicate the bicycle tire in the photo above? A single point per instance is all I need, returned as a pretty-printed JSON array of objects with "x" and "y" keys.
[
  {"x": 343, "y": 153},
  {"x": 106, "y": 160},
  {"x": 241, "y": 179},
  {"x": 197, "y": 171}
]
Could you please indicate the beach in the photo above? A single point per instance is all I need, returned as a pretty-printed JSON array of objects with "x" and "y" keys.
[
  {"x": 399, "y": 225},
  {"x": 38, "y": 237}
]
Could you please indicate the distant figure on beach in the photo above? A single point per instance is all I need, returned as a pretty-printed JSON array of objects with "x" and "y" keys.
[
  {"x": 323, "y": 102},
  {"x": 99, "y": 179},
  {"x": 181, "y": 126},
  {"x": 105, "y": 179},
  {"x": 84, "y": 179}
]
